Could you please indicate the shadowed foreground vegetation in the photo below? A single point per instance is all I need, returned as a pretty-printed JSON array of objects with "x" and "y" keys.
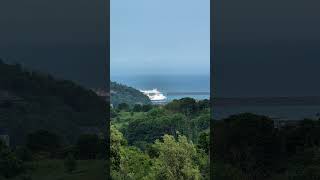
[
  {"x": 86, "y": 169},
  {"x": 249, "y": 147},
  {"x": 54, "y": 129}
]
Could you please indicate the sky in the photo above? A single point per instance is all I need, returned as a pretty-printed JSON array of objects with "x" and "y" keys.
[
  {"x": 63, "y": 38},
  {"x": 160, "y": 37},
  {"x": 267, "y": 48},
  {"x": 263, "y": 48}
]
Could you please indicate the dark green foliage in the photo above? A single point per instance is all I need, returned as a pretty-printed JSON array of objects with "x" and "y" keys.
[
  {"x": 70, "y": 163},
  {"x": 152, "y": 151},
  {"x": 124, "y": 94},
  {"x": 248, "y": 142},
  {"x": 172, "y": 158},
  {"x": 203, "y": 142},
  {"x": 247, "y": 146},
  {"x": 177, "y": 159},
  {"x": 146, "y": 107},
  {"x": 10, "y": 165},
  {"x": 203, "y": 104},
  {"x": 159, "y": 121},
  {"x": 24, "y": 154},
  {"x": 306, "y": 135},
  {"x": 123, "y": 107},
  {"x": 33, "y": 101},
  {"x": 113, "y": 113},
  {"x": 137, "y": 108},
  {"x": 154, "y": 126},
  {"x": 188, "y": 106},
  {"x": 134, "y": 164},
  {"x": 159, "y": 142},
  {"x": 89, "y": 146},
  {"x": 184, "y": 105},
  {"x": 26, "y": 177},
  {"x": 44, "y": 141},
  {"x": 117, "y": 141},
  {"x": 202, "y": 121}
]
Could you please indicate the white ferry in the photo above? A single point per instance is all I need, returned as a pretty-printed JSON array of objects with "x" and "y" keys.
[{"x": 154, "y": 95}]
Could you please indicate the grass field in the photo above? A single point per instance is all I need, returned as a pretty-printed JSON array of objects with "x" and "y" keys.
[{"x": 55, "y": 170}]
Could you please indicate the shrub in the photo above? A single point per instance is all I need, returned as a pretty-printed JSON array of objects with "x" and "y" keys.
[{"x": 70, "y": 163}]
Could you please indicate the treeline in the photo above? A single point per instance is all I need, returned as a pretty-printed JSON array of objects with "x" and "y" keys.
[
  {"x": 33, "y": 85},
  {"x": 43, "y": 146},
  {"x": 164, "y": 142},
  {"x": 167, "y": 158},
  {"x": 249, "y": 146},
  {"x": 31, "y": 100},
  {"x": 125, "y": 94}
]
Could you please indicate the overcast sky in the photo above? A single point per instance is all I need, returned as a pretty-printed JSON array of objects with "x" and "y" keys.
[
  {"x": 267, "y": 48},
  {"x": 264, "y": 48},
  {"x": 63, "y": 37},
  {"x": 160, "y": 37}
]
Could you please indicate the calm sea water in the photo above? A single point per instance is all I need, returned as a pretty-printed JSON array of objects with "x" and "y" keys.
[
  {"x": 198, "y": 87},
  {"x": 172, "y": 86}
]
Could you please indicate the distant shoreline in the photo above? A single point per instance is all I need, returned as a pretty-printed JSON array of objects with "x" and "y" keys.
[
  {"x": 188, "y": 93},
  {"x": 268, "y": 101}
]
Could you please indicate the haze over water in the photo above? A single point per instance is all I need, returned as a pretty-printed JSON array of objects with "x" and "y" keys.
[
  {"x": 167, "y": 51},
  {"x": 172, "y": 86}
]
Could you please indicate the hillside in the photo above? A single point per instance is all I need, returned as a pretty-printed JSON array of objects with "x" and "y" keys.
[
  {"x": 30, "y": 101},
  {"x": 124, "y": 94}
]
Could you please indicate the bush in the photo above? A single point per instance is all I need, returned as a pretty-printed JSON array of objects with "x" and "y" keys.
[
  {"x": 137, "y": 108},
  {"x": 89, "y": 146},
  {"x": 146, "y": 107},
  {"x": 70, "y": 163},
  {"x": 113, "y": 113},
  {"x": 26, "y": 177},
  {"x": 24, "y": 154},
  {"x": 43, "y": 141},
  {"x": 10, "y": 165},
  {"x": 123, "y": 107}
]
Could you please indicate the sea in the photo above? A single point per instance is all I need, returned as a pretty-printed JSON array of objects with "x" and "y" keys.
[
  {"x": 171, "y": 86},
  {"x": 198, "y": 87}
]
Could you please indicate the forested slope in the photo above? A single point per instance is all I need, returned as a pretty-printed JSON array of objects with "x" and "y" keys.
[
  {"x": 31, "y": 100},
  {"x": 124, "y": 94}
]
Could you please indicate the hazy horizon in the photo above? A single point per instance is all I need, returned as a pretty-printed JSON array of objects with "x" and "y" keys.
[
  {"x": 267, "y": 48},
  {"x": 62, "y": 38},
  {"x": 160, "y": 37}
]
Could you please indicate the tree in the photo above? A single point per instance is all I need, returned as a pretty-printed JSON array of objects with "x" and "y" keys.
[
  {"x": 70, "y": 163},
  {"x": 113, "y": 113},
  {"x": 248, "y": 142},
  {"x": 137, "y": 108},
  {"x": 44, "y": 141},
  {"x": 10, "y": 165},
  {"x": 203, "y": 142},
  {"x": 24, "y": 154},
  {"x": 117, "y": 140},
  {"x": 123, "y": 107},
  {"x": 89, "y": 146},
  {"x": 146, "y": 107},
  {"x": 176, "y": 159},
  {"x": 187, "y": 106},
  {"x": 203, "y": 104},
  {"x": 124, "y": 94},
  {"x": 156, "y": 123},
  {"x": 134, "y": 163}
]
